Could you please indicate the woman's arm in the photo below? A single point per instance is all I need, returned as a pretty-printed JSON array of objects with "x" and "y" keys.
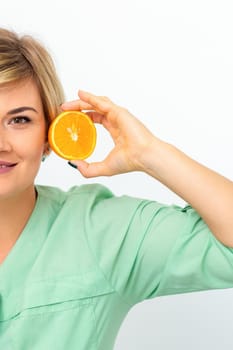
[
  {"x": 209, "y": 193},
  {"x": 137, "y": 149}
]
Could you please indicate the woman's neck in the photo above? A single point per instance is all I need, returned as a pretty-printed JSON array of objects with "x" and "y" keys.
[{"x": 14, "y": 215}]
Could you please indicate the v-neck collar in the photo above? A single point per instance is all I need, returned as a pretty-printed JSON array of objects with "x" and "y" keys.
[
  {"x": 24, "y": 250},
  {"x": 18, "y": 266}
]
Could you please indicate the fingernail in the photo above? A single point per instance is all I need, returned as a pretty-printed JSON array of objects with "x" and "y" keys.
[{"x": 73, "y": 165}]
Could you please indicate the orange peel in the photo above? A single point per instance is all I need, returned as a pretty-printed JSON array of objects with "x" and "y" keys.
[{"x": 72, "y": 135}]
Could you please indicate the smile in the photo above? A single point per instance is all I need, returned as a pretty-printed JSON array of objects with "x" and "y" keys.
[{"x": 6, "y": 166}]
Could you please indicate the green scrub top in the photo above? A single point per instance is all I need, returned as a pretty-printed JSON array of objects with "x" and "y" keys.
[{"x": 86, "y": 257}]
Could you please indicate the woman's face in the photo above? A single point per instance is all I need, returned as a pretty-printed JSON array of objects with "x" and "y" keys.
[{"x": 22, "y": 137}]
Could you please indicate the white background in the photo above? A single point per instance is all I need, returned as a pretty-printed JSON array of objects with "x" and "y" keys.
[{"x": 171, "y": 64}]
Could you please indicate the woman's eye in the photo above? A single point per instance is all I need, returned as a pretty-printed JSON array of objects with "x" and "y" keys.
[{"x": 20, "y": 120}]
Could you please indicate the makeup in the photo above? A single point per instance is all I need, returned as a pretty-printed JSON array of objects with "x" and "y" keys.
[
  {"x": 73, "y": 165},
  {"x": 6, "y": 167}
]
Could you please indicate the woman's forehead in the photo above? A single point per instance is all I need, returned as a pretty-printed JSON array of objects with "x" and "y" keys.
[
  {"x": 21, "y": 93},
  {"x": 26, "y": 88}
]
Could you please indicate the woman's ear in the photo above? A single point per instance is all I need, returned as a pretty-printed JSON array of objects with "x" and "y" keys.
[{"x": 47, "y": 151}]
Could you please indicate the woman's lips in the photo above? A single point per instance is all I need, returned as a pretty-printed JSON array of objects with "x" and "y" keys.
[{"x": 6, "y": 166}]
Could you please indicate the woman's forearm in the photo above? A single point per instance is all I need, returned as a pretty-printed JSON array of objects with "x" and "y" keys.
[{"x": 209, "y": 193}]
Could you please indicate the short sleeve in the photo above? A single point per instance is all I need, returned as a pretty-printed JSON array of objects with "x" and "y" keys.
[{"x": 147, "y": 249}]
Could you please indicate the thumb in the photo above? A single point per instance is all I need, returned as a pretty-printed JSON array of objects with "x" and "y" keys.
[{"x": 89, "y": 170}]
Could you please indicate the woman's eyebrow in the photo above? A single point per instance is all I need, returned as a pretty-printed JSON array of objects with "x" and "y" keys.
[{"x": 21, "y": 109}]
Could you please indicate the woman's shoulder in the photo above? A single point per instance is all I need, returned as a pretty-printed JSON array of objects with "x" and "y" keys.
[
  {"x": 90, "y": 191},
  {"x": 92, "y": 198}
]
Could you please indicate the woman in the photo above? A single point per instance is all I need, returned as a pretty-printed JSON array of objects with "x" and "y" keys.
[{"x": 74, "y": 263}]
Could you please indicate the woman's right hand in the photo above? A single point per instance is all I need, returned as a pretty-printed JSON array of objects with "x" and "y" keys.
[{"x": 131, "y": 138}]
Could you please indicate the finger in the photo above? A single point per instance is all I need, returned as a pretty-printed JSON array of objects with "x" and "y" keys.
[
  {"x": 101, "y": 119},
  {"x": 101, "y": 104},
  {"x": 76, "y": 105},
  {"x": 95, "y": 169},
  {"x": 96, "y": 117}
]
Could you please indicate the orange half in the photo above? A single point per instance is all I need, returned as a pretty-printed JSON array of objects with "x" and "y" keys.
[{"x": 72, "y": 135}]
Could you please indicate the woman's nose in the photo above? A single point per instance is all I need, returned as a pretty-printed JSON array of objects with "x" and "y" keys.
[{"x": 4, "y": 142}]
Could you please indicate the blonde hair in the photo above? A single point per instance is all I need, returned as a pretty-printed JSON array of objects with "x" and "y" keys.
[{"x": 23, "y": 57}]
